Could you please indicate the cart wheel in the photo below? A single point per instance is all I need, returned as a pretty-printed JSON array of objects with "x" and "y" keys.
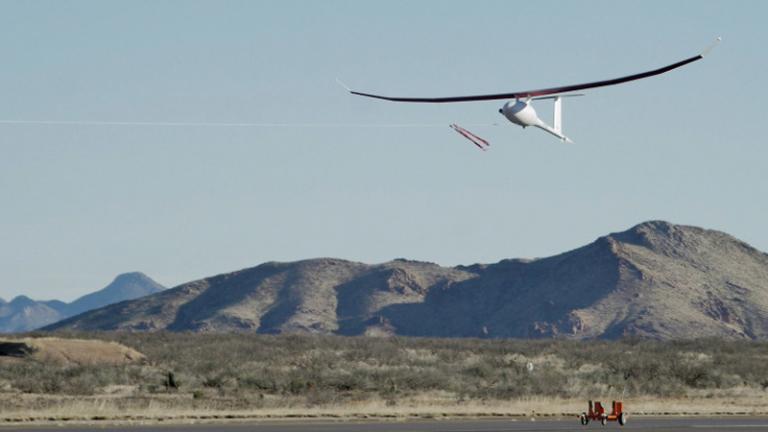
[
  {"x": 623, "y": 418},
  {"x": 584, "y": 419},
  {"x": 604, "y": 421}
]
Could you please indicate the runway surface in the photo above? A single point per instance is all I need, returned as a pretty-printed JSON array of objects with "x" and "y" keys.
[{"x": 659, "y": 425}]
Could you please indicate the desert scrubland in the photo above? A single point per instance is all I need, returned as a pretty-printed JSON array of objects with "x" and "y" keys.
[{"x": 172, "y": 376}]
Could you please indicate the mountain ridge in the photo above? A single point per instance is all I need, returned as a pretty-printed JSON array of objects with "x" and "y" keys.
[{"x": 654, "y": 280}]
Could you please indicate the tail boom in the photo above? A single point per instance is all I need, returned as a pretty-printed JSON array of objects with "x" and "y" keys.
[{"x": 547, "y": 128}]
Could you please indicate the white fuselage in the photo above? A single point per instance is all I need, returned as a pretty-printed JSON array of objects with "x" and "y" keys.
[{"x": 521, "y": 113}]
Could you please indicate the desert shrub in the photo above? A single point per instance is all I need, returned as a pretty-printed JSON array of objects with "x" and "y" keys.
[
  {"x": 317, "y": 397},
  {"x": 328, "y": 369},
  {"x": 263, "y": 380},
  {"x": 33, "y": 377}
]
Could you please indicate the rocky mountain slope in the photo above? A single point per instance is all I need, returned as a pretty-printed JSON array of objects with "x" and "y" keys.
[
  {"x": 655, "y": 280},
  {"x": 24, "y": 314},
  {"x": 320, "y": 295}
]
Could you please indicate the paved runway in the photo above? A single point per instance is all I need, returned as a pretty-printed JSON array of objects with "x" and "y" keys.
[{"x": 658, "y": 425}]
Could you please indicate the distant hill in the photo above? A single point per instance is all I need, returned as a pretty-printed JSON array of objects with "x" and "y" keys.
[
  {"x": 24, "y": 314},
  {"x": 127, "y": 286},
  {"x": 655, "y": 280}
]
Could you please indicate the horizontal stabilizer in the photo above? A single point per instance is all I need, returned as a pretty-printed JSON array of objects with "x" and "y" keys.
[{"x": 558, "y": 96}]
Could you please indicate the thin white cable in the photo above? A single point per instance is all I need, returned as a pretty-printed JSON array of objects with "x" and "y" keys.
[{"x": 218, "y": 124}]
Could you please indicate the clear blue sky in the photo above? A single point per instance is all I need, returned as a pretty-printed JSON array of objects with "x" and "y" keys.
[{"x": 80, "y": 204}]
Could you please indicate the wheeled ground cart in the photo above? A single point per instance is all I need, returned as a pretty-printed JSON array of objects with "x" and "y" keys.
[{"x": 597, "y": 413}]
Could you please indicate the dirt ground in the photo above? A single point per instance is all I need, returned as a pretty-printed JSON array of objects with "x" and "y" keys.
[{"x": 42, "y": 409}]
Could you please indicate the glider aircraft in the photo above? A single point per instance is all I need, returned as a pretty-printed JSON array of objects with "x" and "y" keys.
[{"x": 519, "y": 110}]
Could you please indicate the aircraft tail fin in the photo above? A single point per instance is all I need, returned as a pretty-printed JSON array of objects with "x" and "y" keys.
[{"x": 557, "y": 121}]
